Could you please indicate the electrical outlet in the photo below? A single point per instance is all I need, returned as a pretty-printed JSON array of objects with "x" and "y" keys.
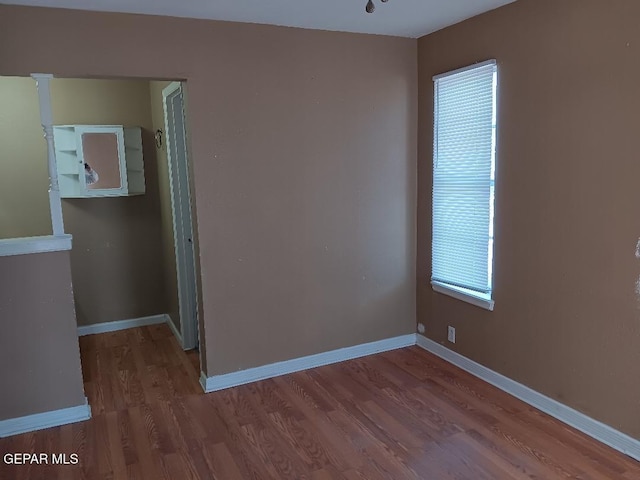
[
  {"x": 421, "y": 328},
  {"x": 451, "y": 334}
]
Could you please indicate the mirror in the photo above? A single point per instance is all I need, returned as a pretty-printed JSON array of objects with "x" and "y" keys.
[{"x": 101, "y": 160}]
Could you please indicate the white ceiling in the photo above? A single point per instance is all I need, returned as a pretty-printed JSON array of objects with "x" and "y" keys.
[{"x": 406, "y": 18}]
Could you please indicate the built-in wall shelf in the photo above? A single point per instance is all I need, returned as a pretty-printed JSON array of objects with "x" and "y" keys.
[{"x": 99, "y": 160}]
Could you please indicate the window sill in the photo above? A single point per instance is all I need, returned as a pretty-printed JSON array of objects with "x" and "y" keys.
[
  {"x": 465, "y": 295},
  {"x": 28, "y": 245}
]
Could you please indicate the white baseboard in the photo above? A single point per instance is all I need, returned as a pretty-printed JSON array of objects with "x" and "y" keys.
[
  {"x": 228, "y": 380},
  {"x": 203, "y": 383},
  {"x": 175, "y": 331},
  {"x": 122, "y": 324},
  {"x": 38, "y": 421},
  {"x": 595, "y": 429}
]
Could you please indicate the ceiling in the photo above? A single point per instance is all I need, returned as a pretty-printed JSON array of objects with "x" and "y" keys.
[{"x": 405, "y": 18}]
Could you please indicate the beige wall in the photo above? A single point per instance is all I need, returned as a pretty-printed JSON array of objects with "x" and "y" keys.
[
  {"x": 39, "y": 355},
  {"x": 24, "y": 182},
  {"x": 304, "y": 157},
  {"x": 567, "y": 315},
  {"x": 166, "y": 214}
]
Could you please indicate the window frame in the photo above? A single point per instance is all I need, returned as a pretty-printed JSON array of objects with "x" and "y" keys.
[{"x": 473, "y": 297}]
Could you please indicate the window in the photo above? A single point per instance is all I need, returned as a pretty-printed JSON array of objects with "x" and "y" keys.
[{"x": 463, "y": 183}]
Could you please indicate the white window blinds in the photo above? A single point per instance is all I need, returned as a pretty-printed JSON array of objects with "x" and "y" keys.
[{"x": 463, "y": 178}]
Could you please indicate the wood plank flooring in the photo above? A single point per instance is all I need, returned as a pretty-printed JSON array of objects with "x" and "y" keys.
[{"x": 398, "y": 415}]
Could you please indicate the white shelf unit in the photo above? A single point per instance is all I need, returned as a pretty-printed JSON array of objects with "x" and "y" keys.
[{"x": 70, "y": 160}]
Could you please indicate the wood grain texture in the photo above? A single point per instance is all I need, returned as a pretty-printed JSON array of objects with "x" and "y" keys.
[{"x": 403, "y": 414}]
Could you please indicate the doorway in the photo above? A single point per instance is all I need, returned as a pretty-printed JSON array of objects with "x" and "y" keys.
[{"x": 177, "y": 158}]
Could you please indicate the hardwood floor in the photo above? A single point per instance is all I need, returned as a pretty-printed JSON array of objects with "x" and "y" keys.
[{"x": 399, "y": 415}]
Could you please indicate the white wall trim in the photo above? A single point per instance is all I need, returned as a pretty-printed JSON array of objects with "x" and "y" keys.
[
  {"x": 598, "y": 430},
  {"x": 27, "y": 245},
  {"x": 463, "y": 294},
  {"x": 228, "y": 380},
  {"x": 39, "y": 421},
  {"x": 122, "y": 324},
  {"x": 203, "y": 382},
  {"x": 46, "y": 119},
  {"x": 175, "y": 331}
]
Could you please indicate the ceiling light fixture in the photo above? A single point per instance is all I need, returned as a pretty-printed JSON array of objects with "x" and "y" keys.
[{"x": 370, "y": 8}]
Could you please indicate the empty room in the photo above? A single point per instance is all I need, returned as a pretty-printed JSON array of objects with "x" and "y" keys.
[{"x": 349, "y": 239}]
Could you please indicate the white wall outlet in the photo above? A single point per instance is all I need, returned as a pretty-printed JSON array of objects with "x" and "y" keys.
[
  {"x": 421, "y": 328},
  {"x": 451, "y": 334}
]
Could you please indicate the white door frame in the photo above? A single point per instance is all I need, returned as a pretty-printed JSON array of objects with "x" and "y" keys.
[{"x": 177, "y": 158}]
